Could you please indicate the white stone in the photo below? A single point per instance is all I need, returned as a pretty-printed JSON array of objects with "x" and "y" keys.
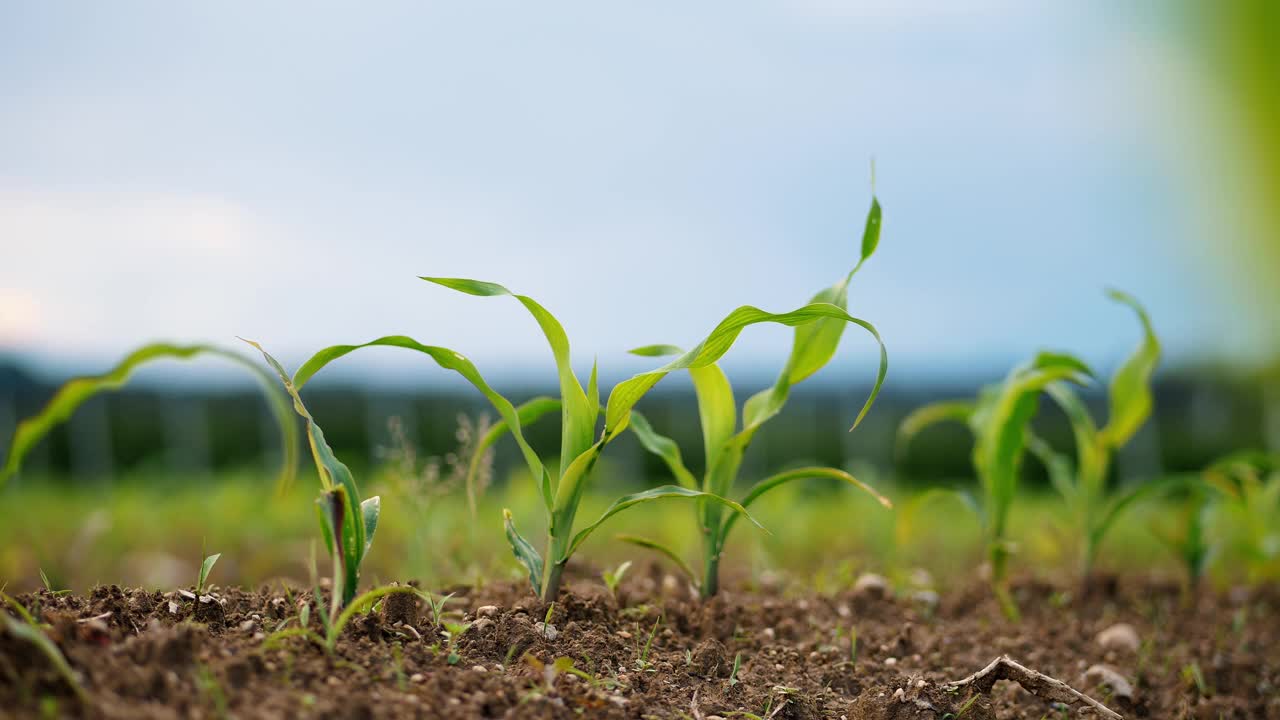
[
  {"x": 486, "y": 611},
  {"x": 871, "y": 584},
  {"x": 546, "y": 630},
  {"x": 1120, "y": 636},
  {"x": 1119, "y": 684}
]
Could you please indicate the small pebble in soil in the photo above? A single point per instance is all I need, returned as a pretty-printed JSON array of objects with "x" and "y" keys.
[
  {"x": 871, "y": 585},
  {"x": 1120, "y": 636},
  {"x": 486, "y": 611},
  {"x": 1113, "y": 680},
  {"x": 546, "y": 631}
]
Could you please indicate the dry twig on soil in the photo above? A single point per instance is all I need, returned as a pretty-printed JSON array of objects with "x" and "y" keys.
[{"x": 1037, "y": 683}]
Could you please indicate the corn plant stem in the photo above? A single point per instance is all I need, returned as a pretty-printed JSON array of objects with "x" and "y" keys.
[
  {"x": 710, "y": 584},
  {"x": 552, "y": 569}
]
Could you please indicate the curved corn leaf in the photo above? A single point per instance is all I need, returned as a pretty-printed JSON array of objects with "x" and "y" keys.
[
  {"x": 528, "y": 413},
  {"x": 656, "y": 351},
  {"x": 370, "y": 509},
  {"x": 1130, "y": 390},
  {"x": 932, "y": 414},
  {"x": 1122, "y": 502},
  {"x": 77, "y": 391},
  {"x": 658, "y": 493},
  {"x": 1092, "y": 455},
  {"x": 579, "y": 419},
  {"x": 626, "y": 394},
  {"x": 662, "y": 550},
  {"x": 524, "y": 552},
  {"x": 449, "y": 360},
  {"x": 572, "y": 484},
  {"x": 805, "y": 473},
  {"x": 662, "y": 446},
  {"x": 716, "y": 409}
]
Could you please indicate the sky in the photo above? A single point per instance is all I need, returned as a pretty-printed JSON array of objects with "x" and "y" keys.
[{"x": 285, "y": 171}]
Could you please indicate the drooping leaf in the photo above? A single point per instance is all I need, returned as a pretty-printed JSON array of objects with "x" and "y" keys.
[
  {"x": 524, "y": 552},
  {"x": 1130, "y": 391},
  {"x": 805, "y": 473},
  {"x": 662, "y": 550},
  {"x": 1058, "y": 466},
  {"x": 77, "y": 391},
  {"x": 662, "y": 446},
  {"x": 449, "y": 360},
  {"x": 658, "y": 493},
  {"x": 1092, "y": 457},
  {"x": 371, "y": 509},
  {"x": 579, "y": 420},
  {"x": 627, "y": 393}
]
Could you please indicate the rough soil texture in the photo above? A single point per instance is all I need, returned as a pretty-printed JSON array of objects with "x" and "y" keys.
[{"x": 141, "y": 654}]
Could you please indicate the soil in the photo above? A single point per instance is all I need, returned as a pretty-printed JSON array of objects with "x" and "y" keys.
[{"x": 652, "y": 652}]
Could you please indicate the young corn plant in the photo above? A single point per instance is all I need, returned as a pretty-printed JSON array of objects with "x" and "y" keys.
[
  {"x": 998, "y": 420},
  {"x": 725, "y": 442},
  {"x": 1249, "y": 485},
  {"x": 77, "y": 391},
  {"x": 347, "y": 523},
  {"x": 1083, "y": 484}
]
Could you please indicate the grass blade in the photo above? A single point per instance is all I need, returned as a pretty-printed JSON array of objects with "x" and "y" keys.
[
  {"x": 664, "y": 447},
  {"x": 662, "y": 550},
  {"x": 658, "y": 493},
  {"x": 77, "y": 391},
  {"x": 524, "y": 552}
]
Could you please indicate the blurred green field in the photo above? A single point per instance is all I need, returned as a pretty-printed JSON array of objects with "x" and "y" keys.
[{"x": 150, "y": 530}]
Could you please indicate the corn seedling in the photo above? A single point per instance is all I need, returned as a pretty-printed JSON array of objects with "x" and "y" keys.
[
  {"x": 347, "y": 524},
  {"x": 205, "y": 568},
  {"x": 1249, "y": 484},
  {"x": 1186, "y": 537},
  {"x": 737, "y": 663},
  {"x": 1083, "y": 484},
  {"x": 998, "y": 420},
  {"x": 613, "y": 577},
  {"x": 580, "y": 411},
  {"x": 453, "y": 631},
  {"x": 77, "y": 391},
  {"x": 818, "y": 329}
]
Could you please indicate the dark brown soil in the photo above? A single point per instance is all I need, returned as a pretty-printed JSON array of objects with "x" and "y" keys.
[{"x": 154, "y": 655}]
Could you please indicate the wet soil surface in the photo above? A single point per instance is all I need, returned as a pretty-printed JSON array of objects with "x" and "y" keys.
[{"x": 1142, "y": 648}]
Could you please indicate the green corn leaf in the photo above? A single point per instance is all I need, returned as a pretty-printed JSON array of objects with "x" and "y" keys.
[
  {"x": 1125, "y": 500},
  {"x": 656, "y": 351},
  {"x": 579, "y": 419},
  {"x": 932, "y": 414},
  {"x": 524, "y": 552},
  {"x": 1092, "y": 456},
  {"x": 662, "y": 550},
  {"x": 805, "y": 473},
  {"x": 664, "y": 447},
  {"x": 627, "y": 393},
  {"x": 658, "y": 493},
  {"x": 449, "y": 360},
  {"x": 339, "y": 526},
  {"x": 76, "y": 392},
  {"x": 572, "y": 484},
  {"x": 205, "y": 568},
  {"x": 1058, "y": 466},
  {"x": 1130, "y": 390},
  {"x": 370, "y": 509},
  {"x": 871, "y": 233},
  {"x": 716, "y": 408},
  {"x": 528, "y": 413}
]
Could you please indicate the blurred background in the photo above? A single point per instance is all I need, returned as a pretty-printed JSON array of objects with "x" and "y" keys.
[{"x": 196, "y": 172}]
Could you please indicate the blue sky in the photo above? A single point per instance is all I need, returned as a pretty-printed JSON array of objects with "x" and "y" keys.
[{"x": 200, "y": 171}]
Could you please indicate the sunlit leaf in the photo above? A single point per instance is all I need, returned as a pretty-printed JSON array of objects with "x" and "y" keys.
[
  {"x": 370, "y": 509},
  {"x": 1130, "y": 391},
  {"x": 664, "y": 447},
  {"x": 528, "y": 413},
  {"x": 805, "y": 473},
  {"x": 716, "y": 408}
]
